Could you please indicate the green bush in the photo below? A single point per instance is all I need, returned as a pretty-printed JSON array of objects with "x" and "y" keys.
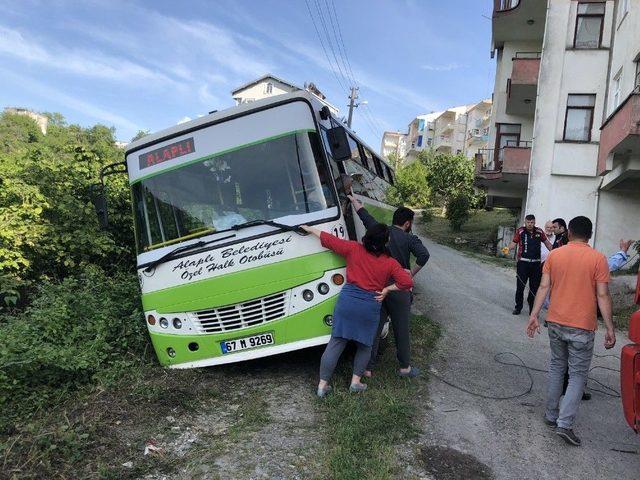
[
  {"x": 458, "y": 211},
  {"x": 48, "y": 226},
  {"x": 73, "y": 331}
]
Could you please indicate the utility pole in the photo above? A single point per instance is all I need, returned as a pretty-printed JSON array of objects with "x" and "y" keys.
[{"x": 352, "y": 104}]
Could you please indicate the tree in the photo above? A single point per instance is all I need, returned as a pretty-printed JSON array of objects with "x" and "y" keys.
[
  {"x": 48, "y": 226},
  {"x": 411, "y": 186},
  {"x": 450, "y": 178},
  {"x": 448, "y": 175},
  {"x": 140, "y": 134}
]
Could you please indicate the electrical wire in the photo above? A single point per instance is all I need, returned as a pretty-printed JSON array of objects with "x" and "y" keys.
[
  {"x": 315, "y": 26},
  {"x": 608, "y": 391}
]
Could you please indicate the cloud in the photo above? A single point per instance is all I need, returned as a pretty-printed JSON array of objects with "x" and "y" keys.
[
  {"x": 84, "y": 63},
  {"x": 183, "y": 120},
  {"x": 206, "y": 97},
  {"x": 73, "y": 103},
  {"x": 441, "y": 68}
]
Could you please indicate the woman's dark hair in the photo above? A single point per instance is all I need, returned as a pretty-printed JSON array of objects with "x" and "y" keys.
[{"x": 376, "y": 239}]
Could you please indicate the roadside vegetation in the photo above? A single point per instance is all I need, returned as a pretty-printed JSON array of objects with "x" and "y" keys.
[
  {"x": 364, "y": 431},
  {"x": 478, "y": 236}
]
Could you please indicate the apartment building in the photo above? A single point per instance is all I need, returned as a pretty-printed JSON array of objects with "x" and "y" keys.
[
  {"x": 420, "y": 135},
  {"x": 41, "y": 120},
  {"x": 477, "y": 128},
  {"x": 564, "y": 137},
  {"x": 454, "y": 130},
  {"x": 269, "y": 85},
  {"x": 394, "y": 143}
]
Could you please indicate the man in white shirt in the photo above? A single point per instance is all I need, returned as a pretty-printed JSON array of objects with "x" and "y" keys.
[{"x": 548, "y": 229}]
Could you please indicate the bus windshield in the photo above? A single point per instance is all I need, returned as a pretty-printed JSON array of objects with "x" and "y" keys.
[{"x": 276, "y": 178}]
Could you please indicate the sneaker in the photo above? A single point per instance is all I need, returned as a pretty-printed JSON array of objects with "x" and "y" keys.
[
  {"x": 321, "y": 393},
  {"x": 413, "y": 372},
  {"x": 568, "y": 436},
  {"x": 358, "y": 387},
  {"x": 550, "y": 423},
  {"x": 516, "y": 311},
  {"x": 586, "y": 396}
]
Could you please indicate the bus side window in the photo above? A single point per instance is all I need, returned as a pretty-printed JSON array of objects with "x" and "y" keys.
[
  {"x": 389, "y": 175},
  {"x": 356, "y": 154},
  {"x": 378, "y": 165}
]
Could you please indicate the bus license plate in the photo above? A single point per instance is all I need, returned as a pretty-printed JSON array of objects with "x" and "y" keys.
[{"x": 260, "y": 340}]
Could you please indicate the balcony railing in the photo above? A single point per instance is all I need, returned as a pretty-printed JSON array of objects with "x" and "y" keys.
[
  {"x": 534, "y": 55},
  {"x": 620, "y": 132},
  {"x": 513, "y": 158},
  {"x": 503, "y": 5}
]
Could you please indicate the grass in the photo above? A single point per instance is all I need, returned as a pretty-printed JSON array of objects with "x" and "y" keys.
[
  {"x": 478, "y": 234},
  {"x": 365, "y": 429},
  {"x": 91, "y": 433},
  {"x": 621, "y": 316}
]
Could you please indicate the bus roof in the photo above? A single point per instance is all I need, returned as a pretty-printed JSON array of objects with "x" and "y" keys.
[{"x": 215, "y": 117}]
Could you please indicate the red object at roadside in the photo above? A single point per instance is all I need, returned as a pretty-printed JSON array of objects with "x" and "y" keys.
[{"x": 630, "y": 370}]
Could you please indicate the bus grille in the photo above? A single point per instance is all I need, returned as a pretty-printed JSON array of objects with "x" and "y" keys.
[{"x": 242, "y": 315}]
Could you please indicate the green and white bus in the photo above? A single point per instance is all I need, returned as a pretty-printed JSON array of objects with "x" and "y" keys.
[{"x": 224, "y": 271}]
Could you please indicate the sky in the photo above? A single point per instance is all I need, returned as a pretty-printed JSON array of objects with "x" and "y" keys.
[{"x": 137, "y": 65}]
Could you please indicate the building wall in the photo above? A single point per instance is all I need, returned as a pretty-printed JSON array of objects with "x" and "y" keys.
[
  {"x": 616, "y": 214},
  {"x": 41, "y": 120},
  {"x": 562, "y": 176},
  {"x": 259, "y": 91},
  {"x": 504, "y": 67}
]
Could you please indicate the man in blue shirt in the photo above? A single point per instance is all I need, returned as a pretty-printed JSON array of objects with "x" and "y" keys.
[{"x": 620, "y": 258}]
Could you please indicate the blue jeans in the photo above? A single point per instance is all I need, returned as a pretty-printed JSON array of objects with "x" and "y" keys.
[{"x": 572, "y": 349}]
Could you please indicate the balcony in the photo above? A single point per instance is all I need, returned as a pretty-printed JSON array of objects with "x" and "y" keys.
[
  {"x": 517, "y": 20},
  {"x": 523, "y": 85},
  {"x": 619, "y": 153},
  {"x": 509, "y": 164}
]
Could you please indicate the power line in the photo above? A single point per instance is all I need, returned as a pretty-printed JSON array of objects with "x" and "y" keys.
[
  {"x": 322, "y": 45},
  {"x": 344, "y": 49},
  {"x": 341, "y": 54},
  {"x": 329, "y": 41}
]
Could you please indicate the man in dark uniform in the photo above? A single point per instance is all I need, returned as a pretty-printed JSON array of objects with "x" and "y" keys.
[
  {"x": 528, "y": 239},
  {"x": 560, "y": 229},
  {"x": 402, "y": 244}
]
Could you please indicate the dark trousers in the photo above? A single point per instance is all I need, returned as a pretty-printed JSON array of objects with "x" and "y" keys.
[
  {"x": 527, "y": 272},
  {"x": 397, "y": 305}
]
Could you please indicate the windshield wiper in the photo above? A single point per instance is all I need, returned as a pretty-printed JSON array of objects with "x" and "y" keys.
[
  {"x": 282, "y": 226},
  {"x": 184, "y": 248}
]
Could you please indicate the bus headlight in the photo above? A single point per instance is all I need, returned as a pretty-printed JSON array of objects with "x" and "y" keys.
[
  {"x": 307, "y": 295},
  {"x": 177, "y": 323},
  {"x": 328, "y": 320},
  {"x": 337, "y": 279},
  {"x": 323, "y": 288},
  {"x": 171, "y": 352},
  {"x": 164, "y": 323},
  {"x": 151, "y": 319}
]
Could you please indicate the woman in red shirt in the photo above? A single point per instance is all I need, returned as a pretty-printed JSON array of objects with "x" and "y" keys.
[{"x": 370, "y": 271}]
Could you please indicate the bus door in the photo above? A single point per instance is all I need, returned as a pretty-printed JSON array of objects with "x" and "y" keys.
[{"x": 630, "y": 369}]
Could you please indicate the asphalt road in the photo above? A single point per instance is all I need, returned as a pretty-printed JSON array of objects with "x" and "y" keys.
[{"x": 472, "y": 300}]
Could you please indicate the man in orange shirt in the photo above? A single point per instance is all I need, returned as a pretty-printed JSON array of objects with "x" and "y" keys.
[{"x": 578, "y": 277}]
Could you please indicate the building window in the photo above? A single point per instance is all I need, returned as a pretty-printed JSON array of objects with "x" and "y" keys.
[
  {"x": 636, "y": 83},
  {"x": 579, "y": 117},
  {"x": 589, "y": 24},
  {"x": 268, "y": 88},
  {"x": 419, "y": 140},
  {"x": 615, "y": 93},
  {"x": 429, "y": 141}
]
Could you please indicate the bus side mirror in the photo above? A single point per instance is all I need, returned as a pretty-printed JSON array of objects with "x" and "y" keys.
[
  {"x": 99, "y": 200},
  {"x": 339, "y": 144}
]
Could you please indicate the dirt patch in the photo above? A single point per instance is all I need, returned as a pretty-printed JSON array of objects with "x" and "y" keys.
[{"x": 445, "y": 463}]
